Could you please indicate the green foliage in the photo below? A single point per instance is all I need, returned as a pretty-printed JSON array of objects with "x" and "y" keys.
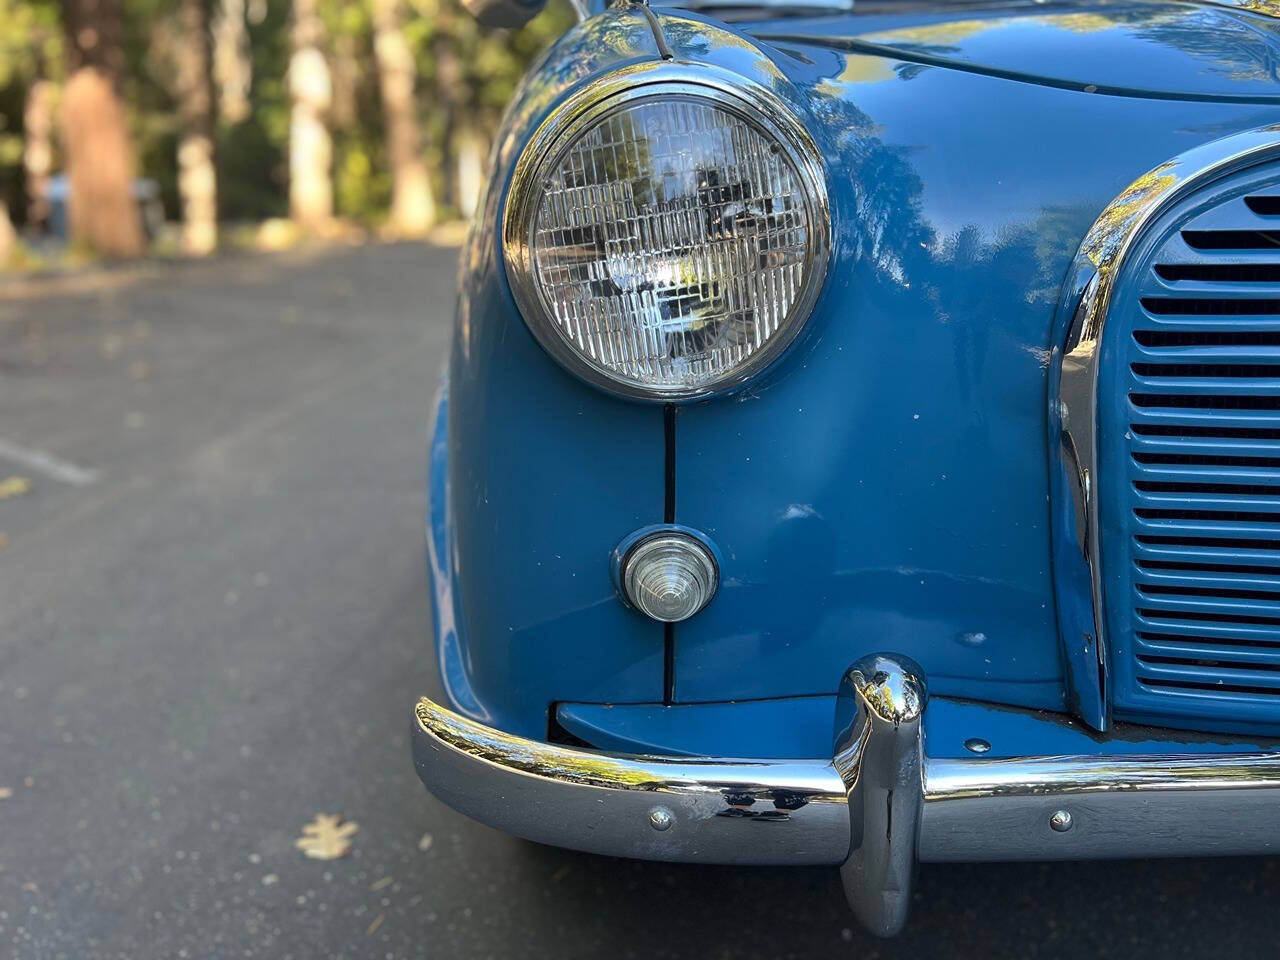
[
  {"x": 30, "y": 48},
  {"x": 253, "y": 153},
  {"x": 362, "y": 185},
  {"x": 30, "y": 40}
]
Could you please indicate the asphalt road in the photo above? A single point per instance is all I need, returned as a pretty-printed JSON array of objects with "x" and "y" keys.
[{"x": 213, "y": 628}]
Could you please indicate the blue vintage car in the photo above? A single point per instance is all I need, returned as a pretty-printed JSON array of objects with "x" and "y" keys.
[{"x": 861, "y": 440}]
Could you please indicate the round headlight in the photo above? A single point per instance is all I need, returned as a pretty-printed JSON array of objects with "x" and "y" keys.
[{"x": 666, "y": 239}]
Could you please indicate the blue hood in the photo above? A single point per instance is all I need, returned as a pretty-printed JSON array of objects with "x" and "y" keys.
[{"x": 1152, "y": 50}]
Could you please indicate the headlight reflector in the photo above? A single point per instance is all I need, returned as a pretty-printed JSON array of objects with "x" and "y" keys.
[{"x": 667, "y": 240}]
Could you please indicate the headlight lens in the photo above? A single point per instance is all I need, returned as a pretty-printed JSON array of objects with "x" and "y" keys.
[{"x": 667, "y": 241}]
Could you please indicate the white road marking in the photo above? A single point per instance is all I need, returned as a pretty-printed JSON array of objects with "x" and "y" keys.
[{"x": 53, "y": 467}]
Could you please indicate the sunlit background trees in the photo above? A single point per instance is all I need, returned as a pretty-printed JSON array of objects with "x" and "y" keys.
[{"x": 316, "y": 117}]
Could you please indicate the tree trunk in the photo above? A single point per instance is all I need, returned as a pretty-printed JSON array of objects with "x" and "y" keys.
[
  {"x": 449, "y": 101},
  {"x": 232, "y": 62},
  {"x": 37, "y": 150},
  {"x": 412, "y": 206},
  {"x": 469, "y": 150},
  {"x": 8, "y": 236},
  {"x": 347, "y": 66},
  {"x": 310, "y": 146},
  {"x": 197, "y": 175},
  {"x": 95, "y": 133}
]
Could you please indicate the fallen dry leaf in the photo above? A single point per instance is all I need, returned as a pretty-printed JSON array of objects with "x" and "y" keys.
[
  {"x": 373, "y": 927},
  {"x": 327, "y": 837},
  {"x": 13, "y": 486}
]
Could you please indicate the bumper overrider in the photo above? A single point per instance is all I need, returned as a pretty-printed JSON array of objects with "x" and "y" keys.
[{"x": 878, "y": 806}]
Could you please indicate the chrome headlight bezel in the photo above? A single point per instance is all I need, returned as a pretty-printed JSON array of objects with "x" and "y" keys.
[{"x": 751, "y": 102}]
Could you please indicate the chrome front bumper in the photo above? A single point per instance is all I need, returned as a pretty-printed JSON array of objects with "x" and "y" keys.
[{"x": 875, "y": 809}]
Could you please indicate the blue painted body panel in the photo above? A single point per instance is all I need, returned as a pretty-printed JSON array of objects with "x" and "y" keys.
[
  {"x": 802, "y": 727},
  {"x": 885, "y": 484},
  {"x": 1149, "y": 50},
  {"x": 768, "y": 729},
  {"x": 887, "y": 487},
  {"x": 544, "y": 474}
]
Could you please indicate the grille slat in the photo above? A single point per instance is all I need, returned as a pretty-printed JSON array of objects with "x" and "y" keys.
[
  {"x": 1179, "y": 549},
  {"x": 1148, "y": 439},
  {"x": 1207, "y": 355},
  {"x": 1207, "y": 526},
  {"x": 1226, "y": 303},
  {"x": 1220, "y": 380},
  {"x": 1155, "y": 409},
  {"x": 1232, "y": 239},
  {"x": 1176, "y": 648},
  {"x": 1182, "y": 604},
  {"x": 1199, "y": 323},
  {"x": 1204, "y": 579},
  {"x": 1200, "y": 498},
  {"x": 1202, "y": 367},
  {"x": 1169, "y": 624},
  {"x": 1199, "y": 279},
  {"x": 1153, "y": 670}
]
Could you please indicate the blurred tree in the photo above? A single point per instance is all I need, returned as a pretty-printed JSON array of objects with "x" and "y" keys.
[
  {"x": 473, "y": 71},
  {"x": 232, "y": 61},
  {"x": 197, "y": 175},
  {"x": 253, "y": 154},
  {"x": 8, "y": 237},
  {"x": 451, "y": 95},
  {"x": 95, "y": 135},
  {"x": 315, "y": 108},
  {"x": 412, "y": 206},
  {"x": 30, "y": 62},
  {"x": 37, "y": 149},
  {"x": 310, "y": 144}
]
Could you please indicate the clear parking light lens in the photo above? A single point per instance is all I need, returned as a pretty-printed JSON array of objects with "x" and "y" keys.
[
  {"x": 670, "y": 577},
  {"x": 669, "y": 244}
]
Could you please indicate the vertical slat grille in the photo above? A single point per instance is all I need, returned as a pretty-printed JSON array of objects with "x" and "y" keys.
[{"x": 1203, "y": 452}]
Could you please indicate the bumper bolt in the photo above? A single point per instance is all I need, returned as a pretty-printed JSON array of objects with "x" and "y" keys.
[
  {"x": 1060, "y": 821},
  {"x": 660, "y": 818}
]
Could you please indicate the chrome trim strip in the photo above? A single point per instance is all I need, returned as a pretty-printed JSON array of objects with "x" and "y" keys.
[
  {"x": 1057, "y": 808},
  {"x": 1073, "y": 409},
  {"x": 650, "y": 808},
  {"x": 757, "y": 104}
]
